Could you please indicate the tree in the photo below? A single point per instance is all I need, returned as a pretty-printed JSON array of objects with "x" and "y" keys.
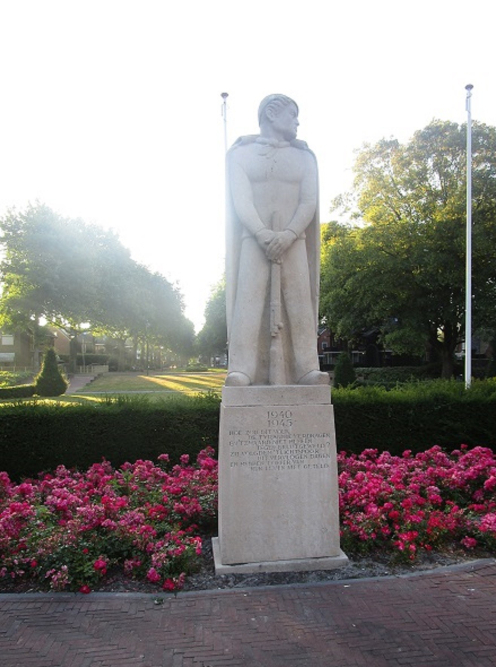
[
  {"x": 73, "y": 274},
  {"x": 402, "y": 268},
  {"x": 45, "y": 273},
  {"x": 212, "y": 339},
  {"x": 50, "y": 382}
]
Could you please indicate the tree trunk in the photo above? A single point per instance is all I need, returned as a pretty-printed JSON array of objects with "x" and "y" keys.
[
  {"x": 448, "y": 352},
  {"x": 73, "y": 350},
  {"x": 36, "y": 346},
  {"x": 121, "y": 360},
  {"x": 448, "y": 364}
]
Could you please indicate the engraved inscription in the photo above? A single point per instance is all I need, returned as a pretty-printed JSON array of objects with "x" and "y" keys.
[{"x": 278, "y": 447}]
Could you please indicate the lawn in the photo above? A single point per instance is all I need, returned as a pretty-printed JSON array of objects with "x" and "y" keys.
[{"x": 189, "y": 383}]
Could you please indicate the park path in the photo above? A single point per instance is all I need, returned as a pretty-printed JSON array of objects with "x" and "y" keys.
[
  {"x": 77, "y": 382},
  {"x": 445, "y": 618}
]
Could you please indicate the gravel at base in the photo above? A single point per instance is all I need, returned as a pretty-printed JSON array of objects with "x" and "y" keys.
[
  {"x": 361, "y": 568},
  {"x": 205, "y": 579}
]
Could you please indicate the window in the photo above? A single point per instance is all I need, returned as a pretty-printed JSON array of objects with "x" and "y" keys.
[{"x": 7, "y": 339}]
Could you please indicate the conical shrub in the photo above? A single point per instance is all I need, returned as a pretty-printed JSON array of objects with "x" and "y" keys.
[
  {"x": 49, "y": 381},
  {"x": 344, "y": 373}
]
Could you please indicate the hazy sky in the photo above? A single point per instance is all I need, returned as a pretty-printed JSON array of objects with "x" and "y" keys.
[{"x": 110, "y": 110}]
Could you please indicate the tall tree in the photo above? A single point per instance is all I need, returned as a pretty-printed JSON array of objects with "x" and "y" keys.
[
  {"x": 70, "y": 274},
  {"x": 402, "y": 267},
  {"x": 45, "y": 271},
  {"x": 212, "y": 339}
]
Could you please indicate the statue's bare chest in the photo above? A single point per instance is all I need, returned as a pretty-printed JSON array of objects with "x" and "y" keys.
[{"x": 267, "y": 164}]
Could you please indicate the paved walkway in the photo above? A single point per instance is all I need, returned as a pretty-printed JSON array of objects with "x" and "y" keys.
[
  {"x": 441, "y": 619},
  {"x": 77, "y": 382}
]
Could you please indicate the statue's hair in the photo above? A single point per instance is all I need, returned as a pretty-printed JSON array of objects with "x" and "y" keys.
[{"x": 278, "y": 102}]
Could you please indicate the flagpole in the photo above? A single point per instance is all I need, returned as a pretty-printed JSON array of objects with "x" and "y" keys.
[
  {"x": 224, "y": 116},
  {"x": 468, "y": 246}
]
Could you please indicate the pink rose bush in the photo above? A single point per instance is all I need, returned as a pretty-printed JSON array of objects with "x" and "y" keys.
[
  {"x": 68, "y": 529},
  {"x": 412, "y": 503}
]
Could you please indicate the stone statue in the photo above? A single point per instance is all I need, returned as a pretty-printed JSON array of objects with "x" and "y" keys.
[{"x": 272, "y": 258}]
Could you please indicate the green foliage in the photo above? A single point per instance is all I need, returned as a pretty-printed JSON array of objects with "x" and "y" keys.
[
  {"x": 390, "y": 376},
  {"x": 212, "y": 339},
  {"x": 19, "y": 391},
  {"x": 49, "y": 382},
  {"x": 403, "y": 271},
  {"x": 344, "y": 373},
  {"x": 89, "y": 359},
  {"x": 416, "y": 416},
  {"x": 12, "y": 378},
  {"x": 37, "y": 436},
  {"x": 491, "y": 369},
  {"x": 196, "y": 368},
  {"x": 71, "y": 274}
]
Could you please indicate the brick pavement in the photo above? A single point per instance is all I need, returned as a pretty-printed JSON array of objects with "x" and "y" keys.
[{"x": 442, "y": 619}]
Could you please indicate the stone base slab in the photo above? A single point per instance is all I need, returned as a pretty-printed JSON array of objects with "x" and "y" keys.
[
  {"x": 278, "y": 487},
  {"x": 298, "y": 565}
]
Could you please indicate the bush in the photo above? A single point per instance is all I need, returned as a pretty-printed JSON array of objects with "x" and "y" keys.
[
  {"x": 390, "y": 376},
  {"x": 21, "y": 391},
  {"x": 142, "y": 520},
  {"x": 14, "y": 378},
  {"x": 416, "y": 416},
  {"x": 88, "y": 359},
  {"x": 37, "y": 436},
  {"x": 344, "y": 373},
  {"x": 50, "y": 382},
  {"x": 196, "y": 368}
]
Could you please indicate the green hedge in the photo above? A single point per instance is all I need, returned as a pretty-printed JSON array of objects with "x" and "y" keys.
[
  {"x": 19, "y": 391},
  {"x": 35, "y": 436},
  {"x": 416, "y": 416},
  {"x": 389, "y": 376},
  {"x": 87, "y": 359}
]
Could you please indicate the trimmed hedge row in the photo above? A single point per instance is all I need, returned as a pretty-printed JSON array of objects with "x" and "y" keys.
[
  {"x": 19, "y": 391},
  {"x": 36, "y": 437},
  {"x": 416, "y": 416}
]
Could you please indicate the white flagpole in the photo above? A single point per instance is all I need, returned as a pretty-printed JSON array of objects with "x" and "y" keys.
[
  {"x": 468, "y": 266},
  {"x": 224, "y": 116}
]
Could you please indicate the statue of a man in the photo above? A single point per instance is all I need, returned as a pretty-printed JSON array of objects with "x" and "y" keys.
[{"x": 273, "y": 241}]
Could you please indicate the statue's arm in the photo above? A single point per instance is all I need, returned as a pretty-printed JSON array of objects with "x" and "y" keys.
[
  {"x": 242, "y": 197},
  {"x": 307, "y": 205}
]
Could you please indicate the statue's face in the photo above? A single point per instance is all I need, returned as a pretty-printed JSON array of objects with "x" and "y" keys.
[{"x": 285, "y": 123}]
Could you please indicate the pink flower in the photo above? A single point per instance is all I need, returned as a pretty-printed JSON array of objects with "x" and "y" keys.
[
  {"x": 100, "y": 566},
  {"x": 469, "y": 542},
  {"x": 85, "y": 589},
  {"x": 169, "y": 585},
  {"x": 153, "y": 576}
]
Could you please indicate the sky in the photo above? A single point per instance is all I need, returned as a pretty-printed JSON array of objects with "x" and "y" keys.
[{"x": 110, "y": 110}]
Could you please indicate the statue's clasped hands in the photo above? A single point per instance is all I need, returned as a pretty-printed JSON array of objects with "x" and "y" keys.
[{"x": 275, "y": 244}]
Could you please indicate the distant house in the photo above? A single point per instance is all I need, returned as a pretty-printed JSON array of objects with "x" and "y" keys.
[
  {"x": 16, "y": 350},
  {"x": 60, "y": 340},
  {"x": 368, "y": 351},
  {"x": 329, "y": 348}
]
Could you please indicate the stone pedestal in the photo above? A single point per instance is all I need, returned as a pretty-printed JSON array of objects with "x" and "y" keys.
[{"x": 278, "y": 489}]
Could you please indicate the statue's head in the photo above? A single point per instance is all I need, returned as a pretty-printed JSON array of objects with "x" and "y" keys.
[
  {"x": 278, "y": 116},
  {"x": 276, "y": 103}
]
